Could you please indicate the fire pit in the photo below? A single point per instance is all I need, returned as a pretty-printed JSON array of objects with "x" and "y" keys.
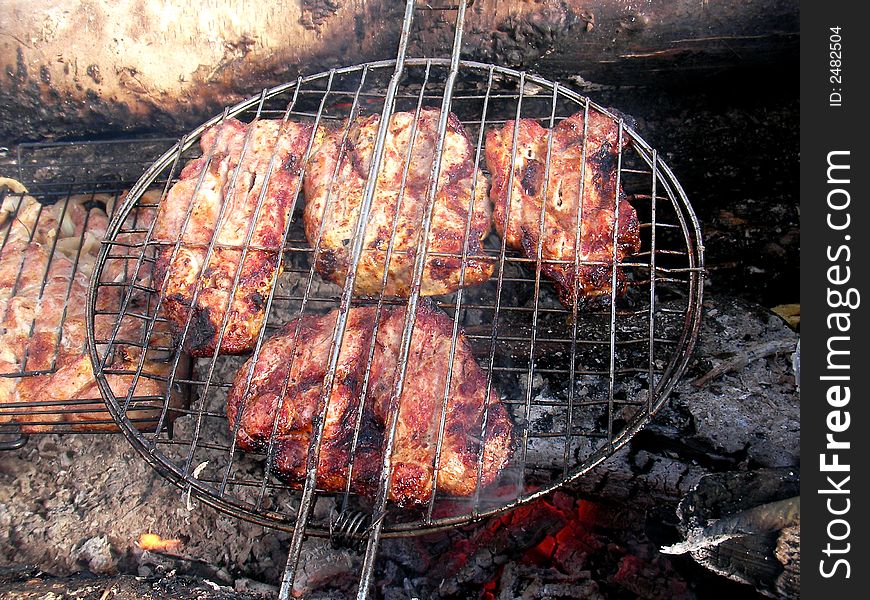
[{"x": 61, "y": 492}]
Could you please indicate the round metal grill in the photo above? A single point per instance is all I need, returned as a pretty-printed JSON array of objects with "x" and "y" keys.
[
  {"x": 578, "y": 382},
  {"x": 575, "y": 383}
]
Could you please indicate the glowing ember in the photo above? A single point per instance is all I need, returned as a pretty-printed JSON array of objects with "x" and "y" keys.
[{"x": 155, "y": 543}]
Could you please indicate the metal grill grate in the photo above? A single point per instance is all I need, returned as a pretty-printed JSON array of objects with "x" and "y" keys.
[
  {"x": 48, "y": 243},
  {"x": 577, "y": 382},
  {"x": 622, "y": 358}
]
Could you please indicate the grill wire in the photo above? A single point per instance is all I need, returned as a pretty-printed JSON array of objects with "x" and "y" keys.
[
  {"x": 61, "y": 176},
  {"x": 578, "y": 383}
]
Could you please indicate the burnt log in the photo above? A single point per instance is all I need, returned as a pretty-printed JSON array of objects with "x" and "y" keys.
[
  {"x": 744, "y": 526},
  {"x": 622, "y": 42},
  {"x": 82, "y": 68},
  {"x": 31, "y": 583},
  {"x": 78, "y": 68}
]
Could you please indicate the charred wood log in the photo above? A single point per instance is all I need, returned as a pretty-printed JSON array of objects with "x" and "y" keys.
[
  {"x": 31, "y": 583},
  {"x": 81, "y": 68},
  {"x": 745, "y": 526},
  {"x": 618, "y": 41}
]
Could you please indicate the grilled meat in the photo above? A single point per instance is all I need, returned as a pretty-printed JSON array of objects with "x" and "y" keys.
[
  {"x": 286, "y": 385},
  {"x": 71, "y": 384},
  {"x": 45, "y": 267},
  {"x": 334, "y": 186},
  {"x": 40, "y": 266},
  {"x": 232, "y": 175},
  {"x": 560, "y": 197}
]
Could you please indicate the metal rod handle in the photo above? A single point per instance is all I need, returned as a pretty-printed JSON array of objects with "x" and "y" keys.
[{"x": 306, "y": 501}]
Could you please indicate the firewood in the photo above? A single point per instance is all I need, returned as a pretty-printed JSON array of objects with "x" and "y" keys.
[{"x": 81, "y": 68}]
